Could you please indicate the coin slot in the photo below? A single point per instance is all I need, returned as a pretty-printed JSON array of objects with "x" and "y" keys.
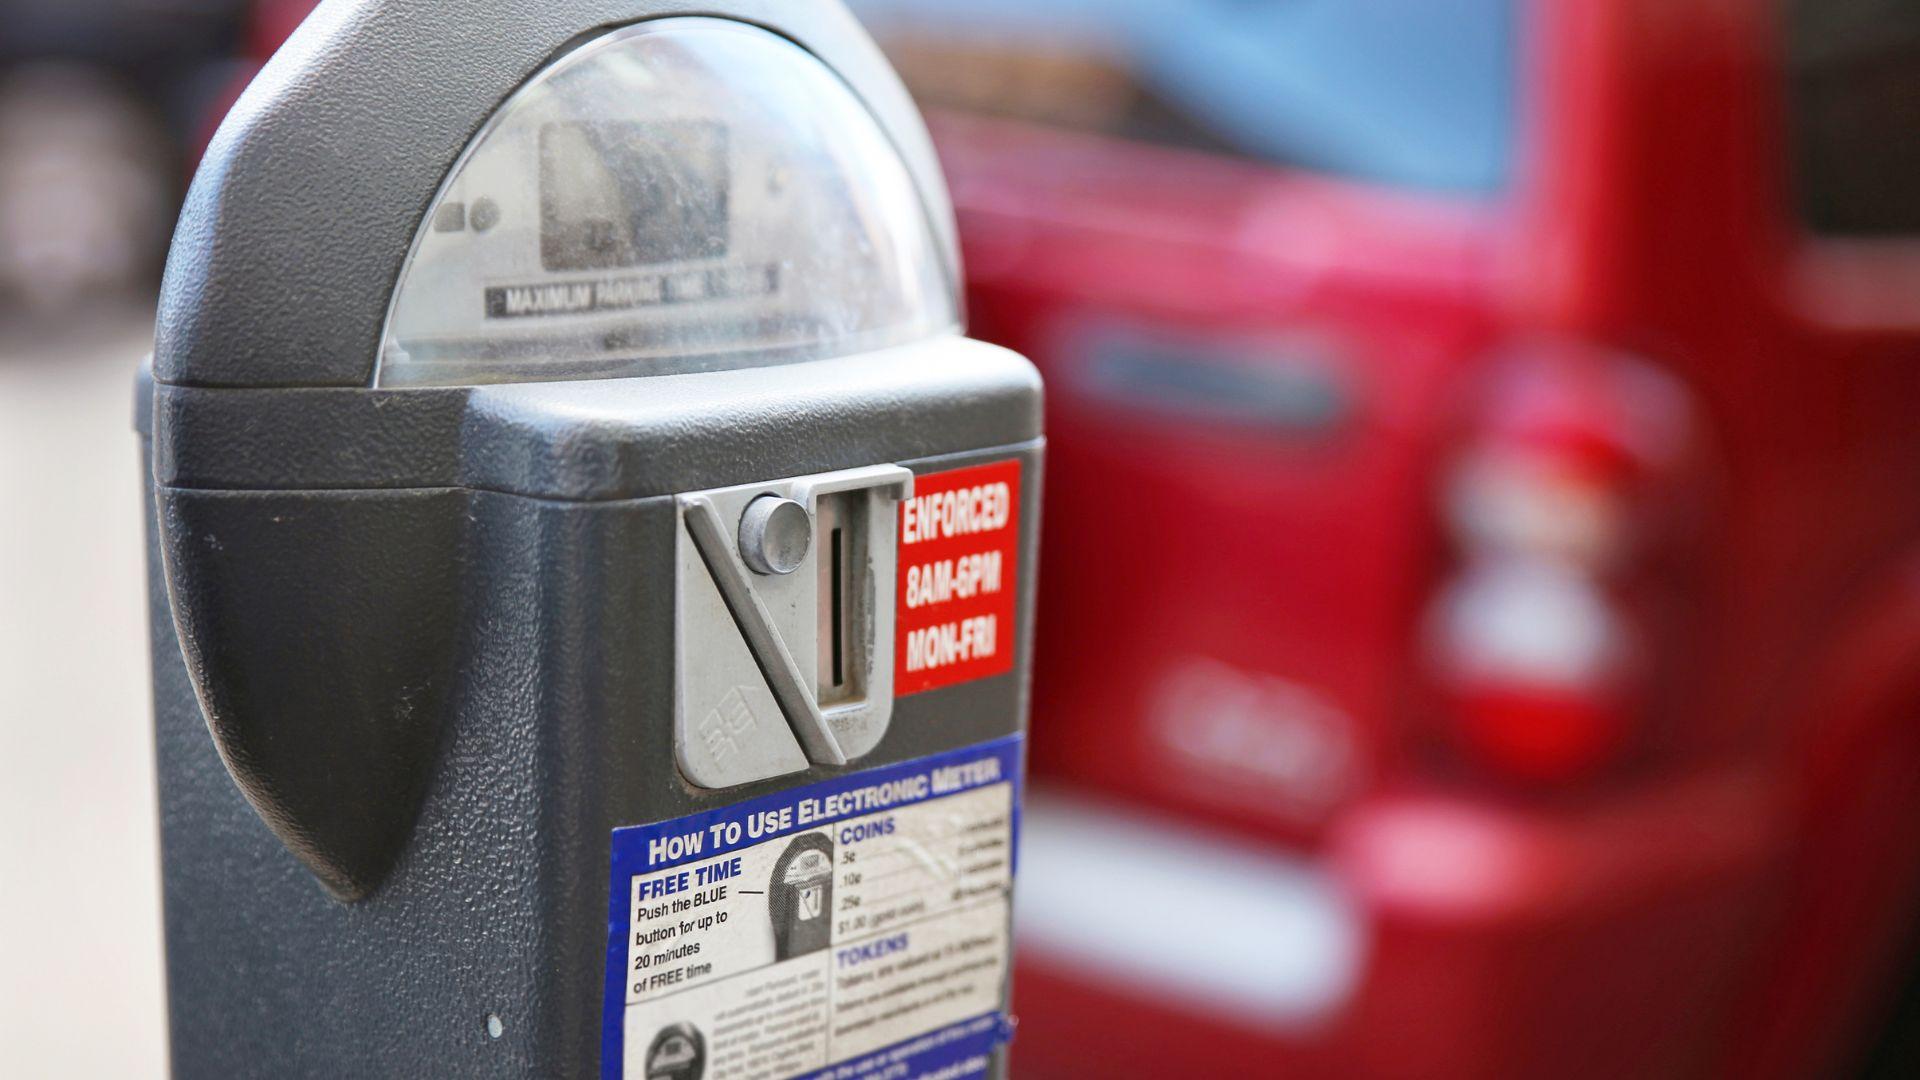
[
  {"x": 843, "y": 597},
  {"x": 839, "y": 616}
]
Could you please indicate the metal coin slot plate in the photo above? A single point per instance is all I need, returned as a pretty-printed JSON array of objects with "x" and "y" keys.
[{"x": 774, "y": 672}]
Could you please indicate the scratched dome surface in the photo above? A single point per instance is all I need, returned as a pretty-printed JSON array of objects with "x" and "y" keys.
[{"x": 680, "y": 195}]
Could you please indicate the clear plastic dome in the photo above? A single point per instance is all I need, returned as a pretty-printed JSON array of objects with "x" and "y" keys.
[{"x": 678, "y": 195}]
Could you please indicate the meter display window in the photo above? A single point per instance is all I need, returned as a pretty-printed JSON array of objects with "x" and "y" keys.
[
  {"x": 683, "y": 194},
  {"x": 629, "y": 192}
]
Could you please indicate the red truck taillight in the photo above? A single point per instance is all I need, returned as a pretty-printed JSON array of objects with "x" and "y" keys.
[{"x": 1539, "y": 640}]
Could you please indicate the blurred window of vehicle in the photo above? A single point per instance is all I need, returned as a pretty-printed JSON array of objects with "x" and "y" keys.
[
  {"x": 1853, "y": 97},
  {"x": 1410, "y": 93}
]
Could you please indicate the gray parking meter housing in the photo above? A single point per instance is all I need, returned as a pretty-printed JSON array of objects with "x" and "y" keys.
[{"x": 436, "y": 632}]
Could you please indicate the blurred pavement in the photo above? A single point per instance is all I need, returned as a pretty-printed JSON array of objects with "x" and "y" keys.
[{"x": 80, "y": 974}]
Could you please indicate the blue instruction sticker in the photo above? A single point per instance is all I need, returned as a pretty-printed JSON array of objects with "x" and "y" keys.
[{"x": 856, "y": 927}]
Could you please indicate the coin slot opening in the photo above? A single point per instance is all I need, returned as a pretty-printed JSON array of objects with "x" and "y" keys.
[
  {"x": 843, "y": 599},
  {"x": 839, "y": 617}
]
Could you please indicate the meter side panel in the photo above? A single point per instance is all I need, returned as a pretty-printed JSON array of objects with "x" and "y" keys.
[
  {"x": 560, "y": 732},
  {"x": 270, "y": 975}
]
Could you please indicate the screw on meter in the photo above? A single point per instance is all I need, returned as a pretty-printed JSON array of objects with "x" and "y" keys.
[{"x": 592, "y": 569}]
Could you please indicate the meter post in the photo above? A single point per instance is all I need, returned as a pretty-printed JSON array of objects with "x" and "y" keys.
[{"x": 591, "y": 571}]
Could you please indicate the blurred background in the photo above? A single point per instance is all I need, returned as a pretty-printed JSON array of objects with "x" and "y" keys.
[{"x": 1509, "y": 664}]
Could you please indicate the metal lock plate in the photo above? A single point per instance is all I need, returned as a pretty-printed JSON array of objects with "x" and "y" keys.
[{"x": 779, "y": 664}]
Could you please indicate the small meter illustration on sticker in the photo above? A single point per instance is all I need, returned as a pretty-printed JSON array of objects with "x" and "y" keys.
[{"x": 801, "y": 891}]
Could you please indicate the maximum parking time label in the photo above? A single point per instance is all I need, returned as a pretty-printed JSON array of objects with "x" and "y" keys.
[{"x": 853, "y": 928}]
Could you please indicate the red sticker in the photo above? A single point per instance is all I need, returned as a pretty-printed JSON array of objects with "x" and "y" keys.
[{"x": 959, "y": 537}]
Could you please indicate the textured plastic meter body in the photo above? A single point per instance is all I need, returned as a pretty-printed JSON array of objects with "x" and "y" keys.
[{"x": 431, "y": 615}]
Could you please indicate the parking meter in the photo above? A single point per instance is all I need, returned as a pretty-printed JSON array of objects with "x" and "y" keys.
[
  {"x": 802, "y": 895},
  {"x": 591, "y": 570}
]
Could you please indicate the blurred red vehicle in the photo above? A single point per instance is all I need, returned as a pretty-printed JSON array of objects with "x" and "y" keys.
[
  {"x": 1481, "y": 619},
  {"x": 1480, "y": 628}
]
